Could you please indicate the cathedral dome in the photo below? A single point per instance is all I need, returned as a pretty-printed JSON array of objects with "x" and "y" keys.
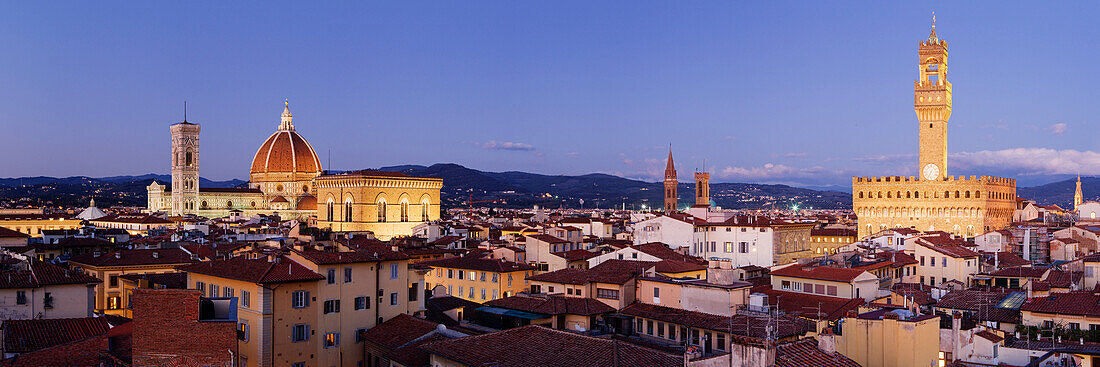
[{"x": 286, "y": 152}]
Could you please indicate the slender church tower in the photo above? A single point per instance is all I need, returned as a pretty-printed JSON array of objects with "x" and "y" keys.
[
  {"x": 702, "y": 189},
  {"x": 671, "y": 197},
  {"x": 1078, "y": 196},
  {"x": 185, "y": 167},
  {"x": 932, "y": 103}
]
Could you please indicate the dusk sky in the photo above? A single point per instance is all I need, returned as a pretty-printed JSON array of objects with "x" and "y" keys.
[{"x": 803, "y": 93}]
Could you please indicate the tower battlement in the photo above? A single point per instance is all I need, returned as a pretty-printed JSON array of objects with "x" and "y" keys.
[{"x": 905, "y": 180}]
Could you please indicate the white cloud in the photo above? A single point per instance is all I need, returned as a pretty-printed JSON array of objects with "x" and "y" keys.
[
  {"x": 1030, "y": 161},
  {"x": 506, "y": 145},
  {"x": 1058, "y": 129}
]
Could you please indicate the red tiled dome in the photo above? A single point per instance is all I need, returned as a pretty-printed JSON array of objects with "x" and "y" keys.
[{"x": 286, "y": 151}]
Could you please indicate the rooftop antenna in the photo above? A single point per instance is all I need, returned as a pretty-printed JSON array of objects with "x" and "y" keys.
[{"x": 184, "y": 111}]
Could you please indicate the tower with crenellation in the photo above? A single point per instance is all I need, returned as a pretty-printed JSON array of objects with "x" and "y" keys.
[
  {"x": 933, "y": 200},
  {"x": 932, "y": 103}
]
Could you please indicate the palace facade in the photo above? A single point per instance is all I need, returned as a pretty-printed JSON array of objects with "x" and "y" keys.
[
  {"x": 286, "y": 178},
  {"x": 933, "y": 200}
]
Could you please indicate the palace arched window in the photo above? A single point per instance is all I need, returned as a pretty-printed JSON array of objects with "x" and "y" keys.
[
  {"x": 381, "y": 210},
  {"x": 187, "y": 158},
  {"x": 424, "y": 206},
  {"x": 956, "y": 194},
  {"x": 404, "y": 210},
  {"x": 347, "y": 210},
  {"x": 328, "y": 209},
  {"x": 968, "y": 194}
]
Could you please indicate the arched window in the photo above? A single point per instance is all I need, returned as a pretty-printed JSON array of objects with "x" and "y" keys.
[
  {"x": 381, "y": 210},
  {"x": 956, "y": 194},
  {"x": 861, "y": 194},
  {"x": 424, "y": 207},
  {"x": 404, "y": 210},
  {"x": 916, "y": 194},
  {"x": 347, "y": 210},
  {"x": 888, "y": 194},
  {"x": 946, "y": 194},
  {"x": 188, "y": 161},
  {"x": 328, "y": 209}
]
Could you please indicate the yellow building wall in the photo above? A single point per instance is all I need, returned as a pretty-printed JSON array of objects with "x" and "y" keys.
[
  {"x": 503, "y": 286},
  {"x": 365, "y": 193},
  {"x": 34, "y": 227},
  {"x": 958, "y": 205},
  {"x": 890, "y": 342}
]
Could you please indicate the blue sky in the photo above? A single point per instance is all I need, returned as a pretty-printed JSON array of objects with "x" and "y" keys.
[{"x": 805, "y": 93}]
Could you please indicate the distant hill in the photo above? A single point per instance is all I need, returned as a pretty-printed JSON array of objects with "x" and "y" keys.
[
  {"x": 76, "y": 191},
  {"x": 506, "y": 189},
  {"x": 1061, "y": 192},
  {"x": 522, "y": 189}
]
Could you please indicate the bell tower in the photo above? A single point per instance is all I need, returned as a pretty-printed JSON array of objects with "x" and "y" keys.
[
  {"x": 671, "y": 196},
  {"x": 185, "y": 167},
  {"x": 932, "y": 103},
  {"x": 702, "y": 189}
]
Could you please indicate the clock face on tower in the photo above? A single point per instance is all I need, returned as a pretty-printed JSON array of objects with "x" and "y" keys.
[{"x": 931, "y": 172}]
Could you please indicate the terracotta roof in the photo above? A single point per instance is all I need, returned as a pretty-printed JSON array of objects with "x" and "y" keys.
[
  {"x": 514, "y": 347},
  {"x": 920, "y": 293},
  {"x": 553, "y": 305},
  {"x": 988, "y": 335},
  {"x": 286, "y": 151},
  {"x": 258, "y": 270},
  {"x": 547, "y": 238},
  {"x": 820, "y": 273},
  {"x": 804, "y": 352},
  {"x": 982, "y": 303},
  {"x": 8, "y": 233},
  {"x": 22, "y": 336},
  {"x": 133, "y": 219},
  {"x": 663, "y": 252},
  {"x": 1020, "y": 272},
  {"x": 349, "y": 257},
  {"x": 673, "y": 266},
  {"x": 1005, "y": 259},
  {"x": 956, "y": 251},
  {"x": 398, "y": 331},
  {"x": 169, "y": 280},
  {"x": 742, "y": 324},
  {"x": 477, "y": 263},
  {"x": 166, "y": 256},
  {"x": 807, "y": 305},
  {"x": 33, "y": 216},
  {"x": 41, "y": 274},
  {"x": 1082, "y": 303},
  {"x": 576, "y": 255},
  {"x": 446, "y": 240},
  {"x": 610, "y": 271}
]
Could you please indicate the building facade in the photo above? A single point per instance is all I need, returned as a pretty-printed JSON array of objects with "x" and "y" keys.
[
  {"x": 934, "y": 200},
  {"x": 286, "y": 178}
]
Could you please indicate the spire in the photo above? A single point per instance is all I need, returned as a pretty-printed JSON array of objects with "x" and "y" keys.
[
  {"x": 92, "y": 204},
  {"x": 670, "y": 167},
  {"x": 1078, "y": 196},
  {"x": 932, "y": 37},
  {"x": 287, "y": 117}
]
